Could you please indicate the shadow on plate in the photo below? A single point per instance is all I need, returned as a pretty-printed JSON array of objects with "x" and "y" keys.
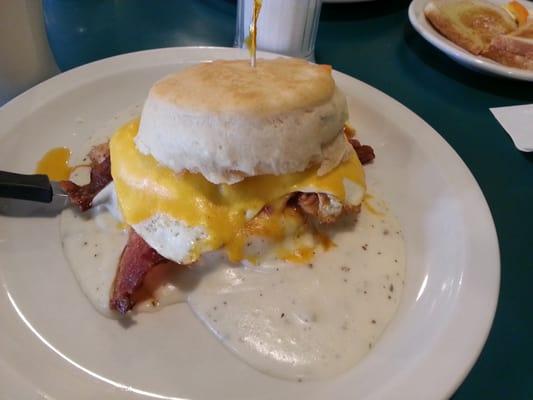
[{"x": 528, "y": 156}]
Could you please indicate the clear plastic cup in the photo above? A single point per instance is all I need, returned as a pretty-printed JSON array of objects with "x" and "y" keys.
[{"x": 285, "y": 26}]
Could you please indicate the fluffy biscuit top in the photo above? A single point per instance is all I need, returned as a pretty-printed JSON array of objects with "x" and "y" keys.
[
  {"x": 272, "y": 87},
  {"x": 227, "y": 120}
]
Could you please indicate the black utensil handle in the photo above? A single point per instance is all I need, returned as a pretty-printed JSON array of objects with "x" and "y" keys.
[{"x": 25, "y": 187}]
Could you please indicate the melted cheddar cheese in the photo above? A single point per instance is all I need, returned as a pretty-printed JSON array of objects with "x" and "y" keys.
[
  {"x": 55, "y": 164},
  {"x": 145, "y": 188}
]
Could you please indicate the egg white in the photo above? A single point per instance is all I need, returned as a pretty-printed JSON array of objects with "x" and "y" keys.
[{"x": 175, "y": 240}]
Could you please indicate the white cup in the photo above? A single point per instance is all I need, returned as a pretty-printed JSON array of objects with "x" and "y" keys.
[
  {"x": 285, "y": 26},
  {"x": 25, "y": 56}
]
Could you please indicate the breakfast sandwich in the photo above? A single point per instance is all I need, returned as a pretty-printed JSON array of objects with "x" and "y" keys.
[{"x": 248, "y": 161}]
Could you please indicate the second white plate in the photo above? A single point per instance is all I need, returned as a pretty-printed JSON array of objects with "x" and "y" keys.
[{"x": 457, "y": 53}]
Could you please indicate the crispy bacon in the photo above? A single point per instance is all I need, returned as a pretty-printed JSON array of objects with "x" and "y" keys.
[
  {"x": 308, "y": 203},
  {"x": 83, "y": 196},
  {"x": 136, "y": 260},
  {"x": 364, "y": 152},
  {"x": 316, "y": 204}
]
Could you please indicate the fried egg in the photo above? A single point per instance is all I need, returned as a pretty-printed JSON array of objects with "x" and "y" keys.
[{"x": 184, "y": 215}]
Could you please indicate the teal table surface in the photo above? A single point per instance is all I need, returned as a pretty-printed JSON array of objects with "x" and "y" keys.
[{"x": 375, "y": 43}]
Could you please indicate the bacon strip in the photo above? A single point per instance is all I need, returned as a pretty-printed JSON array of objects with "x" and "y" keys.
[
  {"x": 136, "y": 260},
  {"x": 364, "y": 152},
  {"x": 308, "y": 203},
  {"x": 311, "y": 203},
  {"x": 83, "y": 196}
]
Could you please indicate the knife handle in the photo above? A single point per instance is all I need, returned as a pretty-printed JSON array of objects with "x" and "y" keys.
[{"x": 25, "y": 187}]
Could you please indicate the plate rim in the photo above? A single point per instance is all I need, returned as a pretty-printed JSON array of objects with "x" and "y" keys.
[
  {"x": 458, "y": 54},
  {"x": 454, "y": 379},
  {"x": 463, "y": 372}
]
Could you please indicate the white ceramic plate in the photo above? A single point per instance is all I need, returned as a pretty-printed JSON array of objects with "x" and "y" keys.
[
  {"x": 54, "y": 345},
  {"x": 457, "y": 53}
]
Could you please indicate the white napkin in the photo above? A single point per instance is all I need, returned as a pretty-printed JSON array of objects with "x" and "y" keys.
[{"x": 518, "y": 123}]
